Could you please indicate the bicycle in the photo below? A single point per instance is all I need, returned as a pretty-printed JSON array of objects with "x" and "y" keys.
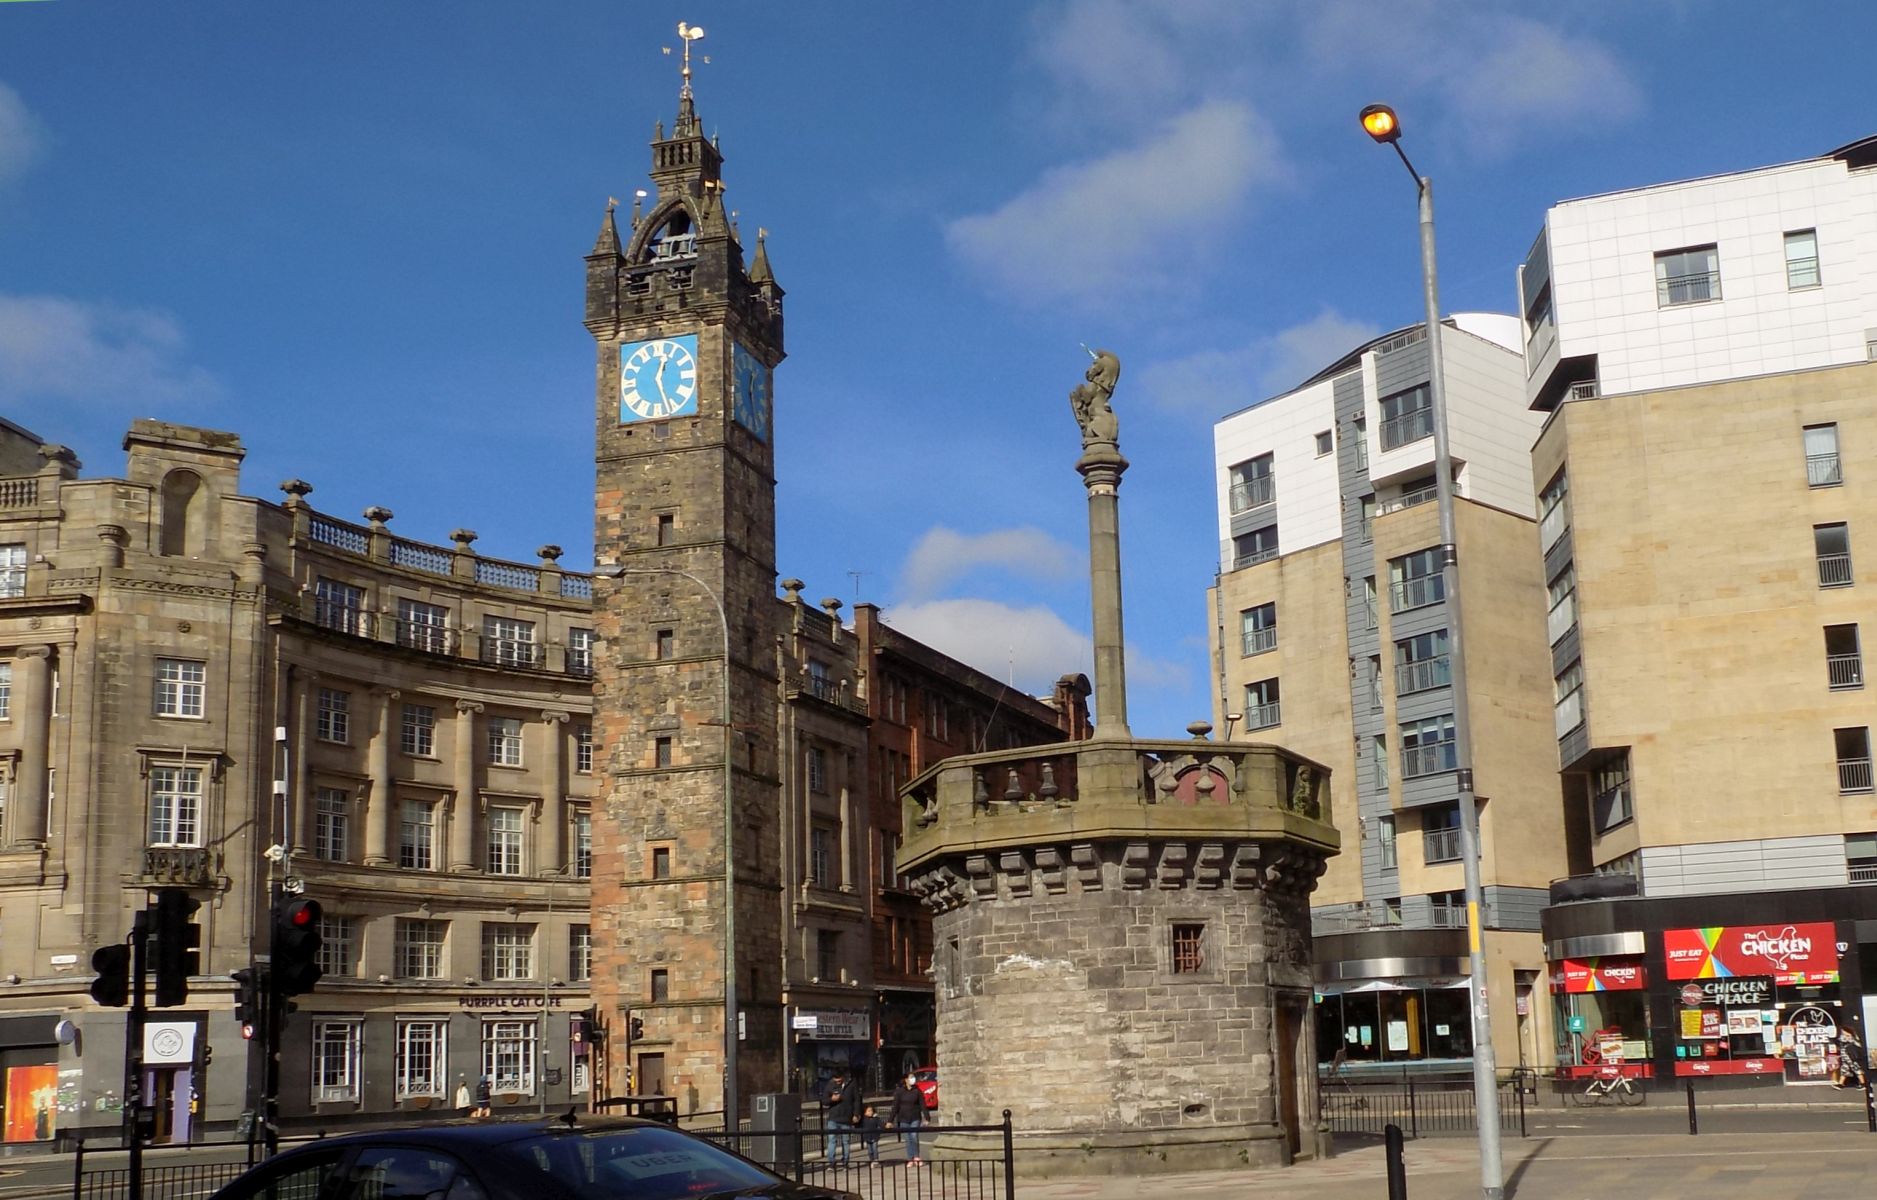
[{"x": 1611, "y": 1084}]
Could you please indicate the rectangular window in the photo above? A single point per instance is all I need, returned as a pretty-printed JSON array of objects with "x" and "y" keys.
[
  {"x": 1414, "y": 580},
  {"x": 508, "y": 1056},
  {"x": 423, "y": 626},
  {"x": 1568, "y": 690},
  {"x": 1189, "y": 949},
  {"x": 1447, "y": 910},
  {"x": 420, "y": 1058},
  {"x": 661, "y": 985},
  {"x": 1562, "y": 594},
  {"x": 663, "y": 644},
  {"x": 335, "y": 1061},
  {"x": 333, "y": 721},
  {"x": 667, "y": 529},
  {"x": 579, "y": 953},
  {"x": 1554, "y": 509},
  {"x": 418, "y": 735},
  {"x": 505, "y": 827},
  {"x": 821, "y": 856},
  {"x": 419, "y": 948},
  {"x": 583, "y": 749},
  {"x": 1421, "y": 663},
  {"x": 6, "y": 691},
  {"x": 1378, "y": 755},
  {"x": 661, "y": 752},
  {"x": 338, "y": 946},
  {"x": 332, "y": 810},
  {"x": 1832, "y": 545},
  {"x": 1854, "y": 774},
  {"x": 1367, "y": 526},
  {"x": 583, "y": 843},
  {"x": 661, "y": 863},
  {"x": 1690, "y": 276},
  {"x": 1407, "y": 416},
  {"x": 580, "y": 652},
  {"x": 1860, "y": 857},
  {"x": 508, "y": 641},
  {"x": 1326, "y": 443},
  {"x": 1440, "y": 834},
  {"x": 1844, "y": 658},
  {"x": 505, "y": 741},
  {"x": 1427, "y": 747},
  {"x": 828, "y": 955},
  {"x": 175, "y": 806},
  {"x": 417, "y": 835},
  {"x": 1373, "y": 669},
  {"x": 1611, "y": 803},
  {"x": 817, "y": 769},
  {"x": 1252, "y": 484},
  {"x": 1257, "y": 629},
  {"x": 1361, "y": 426},
  {"x": 1385, "y": 839},
  {"x": 1250, "y": 549},
  {"x": 181, "y": 686},
  {"x": 1261, "y": 705},
  {"x": 13, "y": 569},
  {"x": 1822, "y": 465},
  {"x": 340, "y": 606},
  {"x": 889, "y": 859},
  {"x": 507, "y": 951},
  {"x": 1802, "y": 259},
  {"x": 1368, "y": 601}
]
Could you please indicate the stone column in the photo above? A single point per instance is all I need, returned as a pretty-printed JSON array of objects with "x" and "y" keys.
[
  {"x": 381, "y": 812},
  {"x": 463, "y": 813},
  {"x": 32, "y": 705},
  {"x": 1101, "y": 469},
  {"x": 551, "y": 859},
  {"x": 304, "y": 691}
]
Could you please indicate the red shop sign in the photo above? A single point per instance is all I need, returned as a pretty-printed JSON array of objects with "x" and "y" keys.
[
  {"x": 1788, "y": 953},
  {"x": 1599, "y": 975}
]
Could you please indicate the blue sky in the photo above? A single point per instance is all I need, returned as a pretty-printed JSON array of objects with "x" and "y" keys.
[{"x": 353, "y": 233}]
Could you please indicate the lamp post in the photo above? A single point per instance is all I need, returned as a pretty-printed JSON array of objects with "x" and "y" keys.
[
  {"x": 547, "y": 982},
  {"x": 729, "y": 838},
  {"x": 1380, "y": 122}
]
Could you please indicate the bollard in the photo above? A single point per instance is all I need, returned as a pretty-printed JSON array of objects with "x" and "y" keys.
[
  {"x": 1692, "y": 1127},
  {"x": 1326, "y": 1142},
  {"x": 1397, "y": 1170}
]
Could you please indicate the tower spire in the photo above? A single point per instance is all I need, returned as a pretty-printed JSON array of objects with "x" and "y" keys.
[{"x": 687, "y": 109}]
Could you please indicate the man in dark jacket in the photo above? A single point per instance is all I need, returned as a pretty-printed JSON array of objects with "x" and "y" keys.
[{"x": 840, "y": 1101}]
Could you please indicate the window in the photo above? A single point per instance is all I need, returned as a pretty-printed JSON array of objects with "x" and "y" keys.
[
  {"x": 175, "y": 806},
  {"x": 1368, "y": 517},
  {"x": 505, "y": 741},
  {"x": 1326, "y": 443},
  {"x": 340, "y": 606},
  {"x": 1844, "y": 658},
  {"x": 580, "y": 652},
  {"x": 1361, "y": 426},
  {"x": 1447, "y": 910},
  {"x": 1860, "y": 857},
  {"x": 180, "y": 687},
  {"x": 1189, "y": 949},
  {"x": 1690, "y": 276},
  {"x": 817, "y": 769},
  {"x": 1554, "y": 511},
  {"x": 13, "y": 569},
  {"x": 661, "y": 752},
  {"x": 333, "y": 722},
  {"x": 1414, "y": 580},
  {"x": 827, "y": 955},
  {"x": 1407, "y": 416},
  {"x": 1261, "y": 705},
  {"x": 505, "y": 825},
  {"x": 335, "y": 1061},
  {"x": 338, "y": 946},
  {"x": 419, "y": 733},
  {"x": 1822, "y": 466},
  {"x": 419, "y": 948},
  {"x": 1427, "y": 747},
  {"x": 508, "y": 641},
  {"x": 583, "y": 843},
  {"x": 1421, "y": 663},
  {"x": 579, "y": 953},
  {"x": 1385, "y": 840},
  {"x": 1802, "y": 259},
  {"x": 1562, "y": 593},
  {"x": 420, "y": 1058},
  {"x": 663, "y": 645},
  {"x": 661, "y": 863},
  {"x": 331, "y": 819},
  {"x": 1378, "y": 755},
  {"x": 667, "y": 529},
  {"x": 1252, "y": 484},
  {"x": 660, "y": 985},
  {"x": 1250, "y": 549},
  {"x": 508, "y": 1055},
  {"x": 423, "y": 626},
  {"x": 417, "y": 835},
  {"x": 821, "y": 856},
  {"x": 1854, "y": 773},
  {"x": 6, "y": 691},
  {"x": 889, "y": 859},
  {"x": 1368, "y": 600},
  {"x": 1373, "y": 669},
  {"x": 1832, "y": 545},
  {"x": 1440, "y": 834},
  {"x": 1568, "y": 689},
  {"x": 507, "y": 951},
  {"x": 1611, "y": 802},
  {"x": 1257, "y": 629},
  {"x": 583, "y": 749},
  {"x": 820, "y": 682}
]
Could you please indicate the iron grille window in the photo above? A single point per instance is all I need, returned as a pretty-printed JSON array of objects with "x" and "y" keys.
[
  {"x": 1440, "y": 834},
  {"x": 181, "y": 687},
  {"x": 1832, "y": 546},
  {"x": 1422, "y": 663},
  {"x": 333, "y": 722},
  {"x": 1257, "y": 628},
  {"x": 419, "y": 946},
  {"x": 1854, "y": 768},
  {"x": 1822, "y": 465},
  {"x": 418, "y": 735},
  {"x": 1250, "y": 549},
  {"x": 1252, "y": 484},
  {"x": 331, "y": 818},
  {"x": 1427, "y": 747},
  {"x": 1415, "y": 581},
  {"x": 1189, "y": 953},
  {"x": 1262, "y": 710},
  {"x": 1844, "y": 658}
]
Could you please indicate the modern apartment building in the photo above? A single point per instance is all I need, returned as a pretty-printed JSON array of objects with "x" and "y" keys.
[
  {"x": 1332, "y": 633},
  {"x": 1704, "y": 355}
]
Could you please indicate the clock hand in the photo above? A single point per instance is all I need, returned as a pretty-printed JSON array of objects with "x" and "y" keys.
[{"x": 660, "y": 380}]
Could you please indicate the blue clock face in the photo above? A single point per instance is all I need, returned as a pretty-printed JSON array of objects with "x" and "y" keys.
[
  {"x": 658, "y": 378},
  {"x": 752, "y": 393}
]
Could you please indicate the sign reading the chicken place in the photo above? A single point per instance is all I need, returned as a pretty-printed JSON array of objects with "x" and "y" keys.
[{"x": 1803, "y": 953}]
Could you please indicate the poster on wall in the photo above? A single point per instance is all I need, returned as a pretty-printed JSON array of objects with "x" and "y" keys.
[
  {"x": 1397, "y": 1035},
  {"x": 32, "y": 1103},
  {"x": 1579, "y": 975},
  {"x": 1789, "y": 954}
]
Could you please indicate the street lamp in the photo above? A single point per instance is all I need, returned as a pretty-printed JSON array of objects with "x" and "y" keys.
[
  {"x": 1380, "y": 122},
  {"x": 729, "y": 837}
]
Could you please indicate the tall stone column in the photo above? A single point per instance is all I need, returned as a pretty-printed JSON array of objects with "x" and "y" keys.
[
  {"x": 1101, "y": 466},
  {"x": 382, "y": 809},
  {"x": 32, "y": 705},
  {"x": 463, "y": 815},
  {"x": 553, "y": 799}
]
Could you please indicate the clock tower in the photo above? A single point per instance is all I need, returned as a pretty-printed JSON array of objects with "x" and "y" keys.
[{"x": 687, "y": 908}]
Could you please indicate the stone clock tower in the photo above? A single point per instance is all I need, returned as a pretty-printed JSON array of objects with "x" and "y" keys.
[{"x": 686, "y": 902}]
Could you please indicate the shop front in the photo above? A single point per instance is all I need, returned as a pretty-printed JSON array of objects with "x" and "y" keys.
[
  {"x": 1382, "y": 1021},
  {"x": 1602, "y": 1004},
  {"x": 827, "y": 1040},
  {"x": 1756, "y": 1000}
]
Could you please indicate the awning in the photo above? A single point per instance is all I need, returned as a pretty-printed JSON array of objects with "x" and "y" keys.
[{"x": 1427, "y": 984}]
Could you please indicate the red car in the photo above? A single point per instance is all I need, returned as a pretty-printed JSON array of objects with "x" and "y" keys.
[{"x": 926, "y": 1080}]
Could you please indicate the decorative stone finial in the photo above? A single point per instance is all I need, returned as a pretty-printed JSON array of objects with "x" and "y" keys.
[
  {"x": 462, "y": 538},
  {"x": 1199, "y": 729},
  {"x": 378, "y": 514},
  {"x": 549, "y": 553},
  {"x": 794, "y": 589},
  {"x": 297, "y": 491}
]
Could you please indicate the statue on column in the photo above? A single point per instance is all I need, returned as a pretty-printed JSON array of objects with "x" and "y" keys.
[{"x": 1090, "y": 400}]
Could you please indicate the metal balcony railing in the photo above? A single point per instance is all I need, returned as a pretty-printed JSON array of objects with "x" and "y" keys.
[
  {"x": 1447, "y": 916},
  {"x": 346, "y": 618},
  {"x": 579, "y": 662},
  {"x": 176, "y": 865},
  {"x": 510, "y": 652},
  {"x": 1845, "y": 670},
  {"x": 1823, "y": 470},
  {"x": 1248, "y": 494},
  {"x": 1417, "y": 761},
  {"x": 1422, "y": 676},
  {"x": 1258, "y": 641},
  {"x": 1583, "y": 389},
  {"x": 1862, "y": 872},
  {"x": 1420, "y": 495},
  {"x": 1408, "y": 427},
  {"x": 1252, "y": 558},
  {"x": 1854, "y": 775},
  {"x": 1262, "y": 716},
  {"x": 1688, "y": 289},
  {"x": 423, "y": 635},
  {"x": 1419, "y": 592},
  {"x": 1440, "y": 845},
  {"x": 1801, "y": 272},
  {"x": 1834, "y": 570}
]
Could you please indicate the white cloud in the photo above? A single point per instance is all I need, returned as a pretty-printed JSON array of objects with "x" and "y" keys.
[
  {"x": 53, "y": 348},
  {"x": 1029, "y": 646},
  {"x": 1212, "y": 383},
  {"x": 1090, "y": 229},
  {"x": 20, "y": 135},
  {"x": 943, "y": 555}
]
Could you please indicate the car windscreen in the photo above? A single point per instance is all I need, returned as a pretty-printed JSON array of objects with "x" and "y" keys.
[{"x": 648, "y": 1163}]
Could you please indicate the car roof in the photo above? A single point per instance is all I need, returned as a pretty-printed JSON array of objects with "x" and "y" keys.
[{"x": 470, "y": 1134}]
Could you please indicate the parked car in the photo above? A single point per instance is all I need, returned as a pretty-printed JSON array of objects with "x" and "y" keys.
[
  {"x": 607, "y": 1158},
  {"x": 926, "y": 1079}
]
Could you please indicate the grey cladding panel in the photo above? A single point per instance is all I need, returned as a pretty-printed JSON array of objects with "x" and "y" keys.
[
  {"x": 1573, "y": 746},
  {"x": 1401, "y": 369},
  {"x": 1426, "y": 790},
  {"x": 1565, "y": 652},
  {"x": 1558, "y": 557},
  {"x": 1515, "y": 907}
]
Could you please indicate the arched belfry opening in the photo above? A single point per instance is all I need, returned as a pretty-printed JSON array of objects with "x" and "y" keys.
[
  {"x": 676, "y": 237},
  {"x": 184, "y": 515}
]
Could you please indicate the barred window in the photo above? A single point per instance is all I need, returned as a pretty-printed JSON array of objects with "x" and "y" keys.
[
  {"x": 1188, "y": 948},
  {"x": 175, "y": 806},
  {"x": 419, "y": 734},
  {"x": 420, "y": 1058},
  {"x": 419, "y": 947},
  {"x": 331, "y": 819},
  {"x": 180, "y": 687},
  {"x": 507, "y": 951}
]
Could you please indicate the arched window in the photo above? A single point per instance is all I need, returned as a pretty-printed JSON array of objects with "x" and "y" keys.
[
  {"x": 183, "y": 514},
  {"x": 674, "y": 239}
]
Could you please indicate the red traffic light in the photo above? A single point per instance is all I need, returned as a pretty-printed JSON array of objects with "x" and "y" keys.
[{"x": 303, "y": 914}]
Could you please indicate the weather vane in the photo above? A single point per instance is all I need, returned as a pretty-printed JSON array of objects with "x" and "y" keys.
[{"x": 688, "y": 34}]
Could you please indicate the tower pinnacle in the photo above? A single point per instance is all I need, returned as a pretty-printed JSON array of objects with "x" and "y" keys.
[{"x": 687, "y": 111}]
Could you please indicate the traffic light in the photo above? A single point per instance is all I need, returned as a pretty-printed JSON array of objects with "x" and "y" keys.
[
  {"x": 112, "y": 986},
  {"x": 297, "y": 943},
  {"x": 635, "y": 1028},
  {"x": 178, "y": 946},
  {"x": 250, "y": 1001}
]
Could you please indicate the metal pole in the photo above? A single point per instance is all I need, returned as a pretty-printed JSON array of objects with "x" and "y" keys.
[
  {"x": 1397, "y": 1169},
  {"x": 133, "y": 1049},
  {"x": 540, "y": 1050},
  {"x": 1485, "y": 1072},
  {"x": 1693, "y": 1126}
]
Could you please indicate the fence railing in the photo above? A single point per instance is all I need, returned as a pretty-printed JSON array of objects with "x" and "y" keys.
[
  {"x": 1834, "y": 570},
  {"x": 1429, "y": 1108},
  {"x": 877, "y": 1163},
  {"x": 1409, "y": 499},
  {"x": 1408, "y": 427},
  {"x": 1823, "y": 470},
  {"x": 1688, "y": 289},
  {"x": 1249, "y": 493},
  {"x": 1422, "y": 676},
  {"x": 1440, "y": 845},
  {"x": 1845, "y": 671},
  {"x": 1854, "y": 775},
  {"x": 1262, "y": 716},
  {"x": 1418, "y": 592},
  {"x": 1257, "y": 641},
  {"x": 1417, "y": 761}
]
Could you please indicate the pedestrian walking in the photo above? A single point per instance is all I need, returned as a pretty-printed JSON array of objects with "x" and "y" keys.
[
  {"x": 840, "y": 1109},
  {"x": 482, "y": 1097},
  {"x": 462, "y": 1097},
  {"x": 908, "y": 1113},
  {"x": 871, "y": 1127}
]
